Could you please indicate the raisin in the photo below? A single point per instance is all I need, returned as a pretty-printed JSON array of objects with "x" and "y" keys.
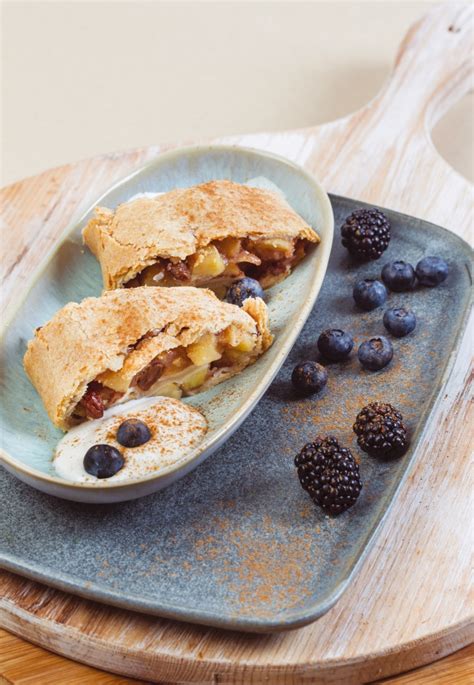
[
  {"x": 109, "y": 396},
  {"x": 149, "y": 375},
  {"x": 179, "y": 271},
  {"x": 95, "y": 400},
  {"x": 92, "y": 401},
  {"x": 276, "y": 268}
]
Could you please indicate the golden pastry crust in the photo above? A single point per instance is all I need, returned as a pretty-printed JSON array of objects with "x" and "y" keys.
[
  {"x": 85, "y": 340},
  {"x": 178, "y": 223}
]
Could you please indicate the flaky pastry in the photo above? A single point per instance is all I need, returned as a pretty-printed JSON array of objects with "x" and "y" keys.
[
  {"x": 208, "y": 235},
  {"x": 137, "y": 342}
]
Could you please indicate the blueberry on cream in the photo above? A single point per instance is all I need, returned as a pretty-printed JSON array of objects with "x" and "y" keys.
[
  {"x": 132, "y": 433},
  {"x": 103, "y": 461}
]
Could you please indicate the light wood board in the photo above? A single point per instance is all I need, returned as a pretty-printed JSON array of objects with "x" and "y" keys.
[
  {"x": 22, "y": 663},
  {"x": 410, "y": 603}
]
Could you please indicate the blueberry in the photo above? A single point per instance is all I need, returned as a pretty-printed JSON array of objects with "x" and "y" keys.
[
  {"x": 103, "y": 461},
  {"x": 399, "y": 276},
  {"x": 375, "y": 353},
  {"x": 309, "y": 377},
  {"x": 335, "y": 345},
  {"x": 432, "y": 271},
  {"x": 243, "y": 289},
  {"x": 399, "y": 321},
  {"x": 369, "y": 294},
  {"x": 132, "y": 433}
]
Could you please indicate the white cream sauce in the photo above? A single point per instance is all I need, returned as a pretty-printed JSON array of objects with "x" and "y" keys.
[{"x": 176, "y": 429}]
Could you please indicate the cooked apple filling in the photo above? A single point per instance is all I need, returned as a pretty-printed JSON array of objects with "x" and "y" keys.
[
  {"x": 223, "y": 261},
  {"x": 174, "y": 373}
]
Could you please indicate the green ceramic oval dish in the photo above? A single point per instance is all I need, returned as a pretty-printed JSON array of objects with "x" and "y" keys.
[{"x": 70, "y": 273}]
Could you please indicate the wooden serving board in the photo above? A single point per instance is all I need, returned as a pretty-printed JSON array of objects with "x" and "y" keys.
[{"x": 409, "y": 604}]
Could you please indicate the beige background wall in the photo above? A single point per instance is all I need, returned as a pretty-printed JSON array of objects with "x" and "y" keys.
[{"x": 82, "y": 78}]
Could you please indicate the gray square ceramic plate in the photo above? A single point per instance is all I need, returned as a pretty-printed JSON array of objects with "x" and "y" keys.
[{"x": 238, "y": 544}]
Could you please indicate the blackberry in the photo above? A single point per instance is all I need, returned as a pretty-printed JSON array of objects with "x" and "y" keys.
[
  {"x": 329, "y": 474},
  {"x": 380, "y": 430},
  {"x": 366, "y": 233}
]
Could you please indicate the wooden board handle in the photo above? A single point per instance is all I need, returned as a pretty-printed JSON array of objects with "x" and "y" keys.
[{"x": 434, "y": 66}]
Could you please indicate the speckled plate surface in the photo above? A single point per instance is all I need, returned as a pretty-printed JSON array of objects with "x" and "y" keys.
[{"x": 237, "y": 543}]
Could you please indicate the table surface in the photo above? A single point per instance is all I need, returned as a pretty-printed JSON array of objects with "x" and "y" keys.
[
  {"x": 22, "y": 664},
  {"x": 32, "y": 147}
]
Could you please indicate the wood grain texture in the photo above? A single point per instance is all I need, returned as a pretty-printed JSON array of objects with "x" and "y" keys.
[
  {"x": 22, "y": 663},
  {"x": 457, "y": 669},
  {"x": 410, "y": 603}
]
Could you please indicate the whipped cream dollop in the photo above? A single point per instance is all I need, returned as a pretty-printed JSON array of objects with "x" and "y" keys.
[
  {"x": 176, "y": 429},
  {"x": 258, "y": 182}
]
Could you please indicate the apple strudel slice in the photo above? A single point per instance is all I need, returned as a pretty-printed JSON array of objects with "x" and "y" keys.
[
  {"x": 208, "y": 235},
  {"x": 138, "y": 342}
]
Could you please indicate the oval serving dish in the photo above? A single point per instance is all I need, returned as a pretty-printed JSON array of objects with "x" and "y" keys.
[{"x": 70, "y": 273}]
